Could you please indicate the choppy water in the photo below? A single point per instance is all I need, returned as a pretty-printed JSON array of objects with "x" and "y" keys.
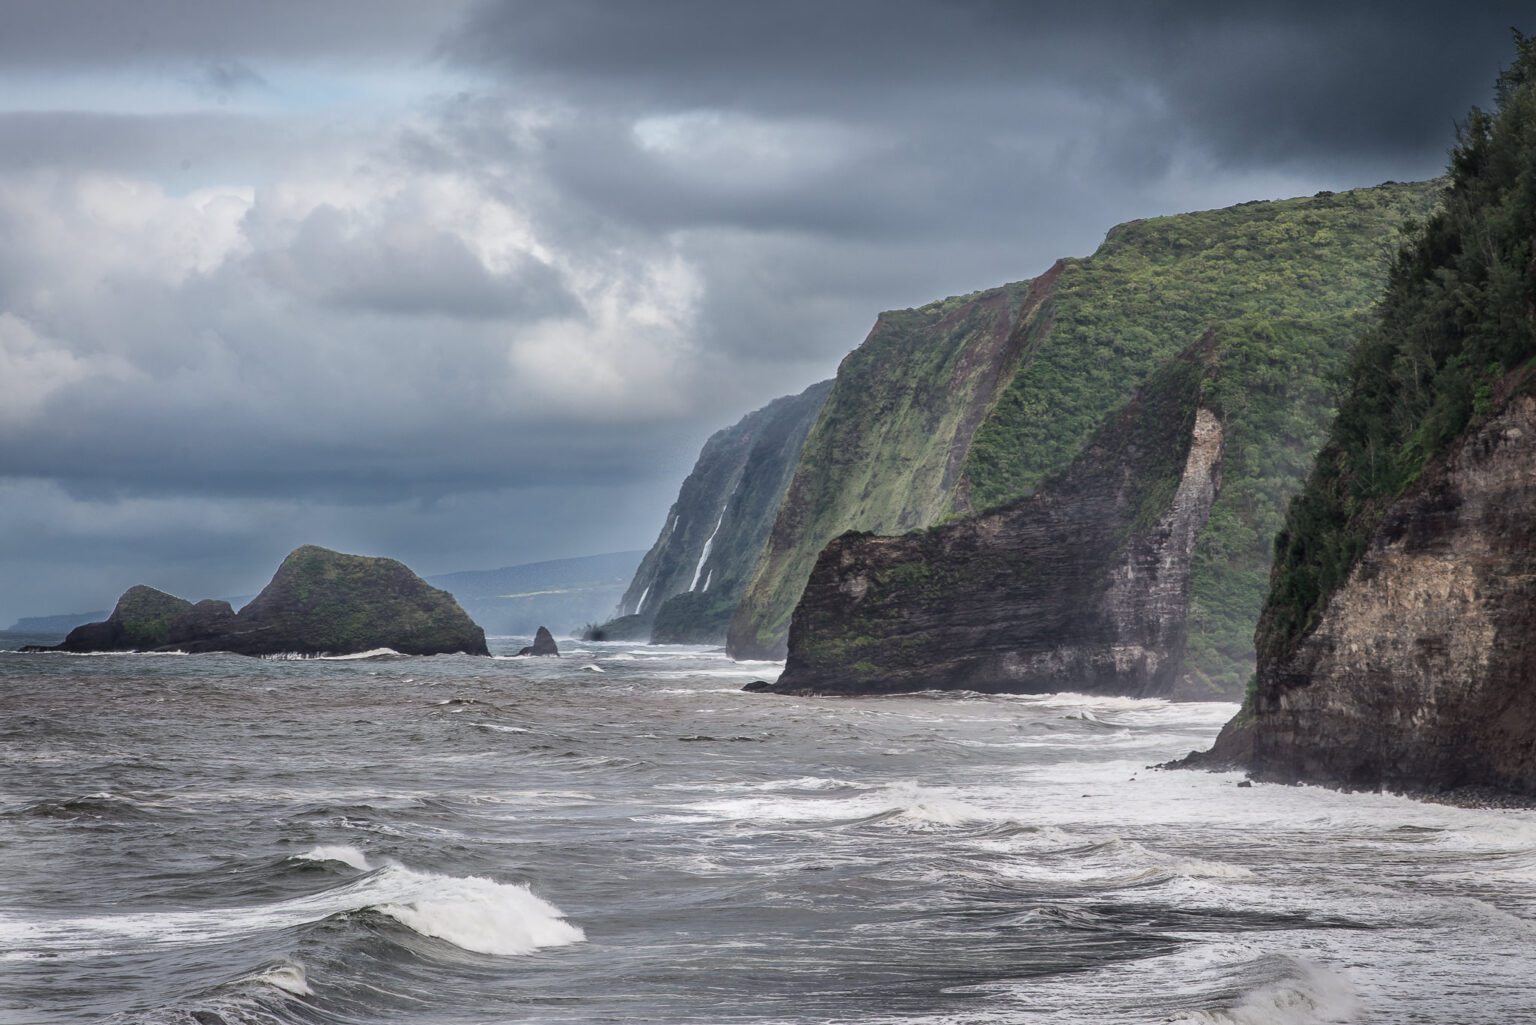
[{"x": 452, "y": 840}]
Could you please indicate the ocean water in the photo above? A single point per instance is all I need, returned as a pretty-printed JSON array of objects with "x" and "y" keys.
[{"x": 621, "y": 835}]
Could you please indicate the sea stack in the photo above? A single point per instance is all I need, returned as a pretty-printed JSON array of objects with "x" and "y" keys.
[
  {"x": 543, "y": 644},
  {"x": 319, "y": 602}
]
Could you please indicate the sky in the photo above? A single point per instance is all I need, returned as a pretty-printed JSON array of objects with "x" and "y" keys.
[{"x": 469, "y": 283}]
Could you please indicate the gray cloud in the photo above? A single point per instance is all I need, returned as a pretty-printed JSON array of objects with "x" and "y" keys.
[{"x": 469, "y": 284}]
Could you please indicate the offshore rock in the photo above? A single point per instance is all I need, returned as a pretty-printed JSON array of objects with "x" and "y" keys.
[
  {"x": 141, "y": 620},
  {"x": 1419, "y": 673},
  {"x": 1084, "y": 586},
  {"x": 319, "y": 602},
  {"x": 543, "y": 644}
]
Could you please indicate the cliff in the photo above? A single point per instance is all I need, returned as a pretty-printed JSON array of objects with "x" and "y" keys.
[
  {"x": 1395, "y": 646},
  {"x": 319, "y": 602},
  {"x": 1421, "y": 670},
  {"x": 969, "y": 404},
  {"x": 688, "y": 584},
  {"x": 1082, "y": 586}
]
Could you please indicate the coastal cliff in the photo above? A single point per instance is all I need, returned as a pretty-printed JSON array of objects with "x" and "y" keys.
[
  {"x": 1082, "y": 586},
  {"x": 687, "y": 585},
  {"x": 1421, "y": 671},
  {"x": 969, "y": 404},
  {"x": 1396, "y": 646}
]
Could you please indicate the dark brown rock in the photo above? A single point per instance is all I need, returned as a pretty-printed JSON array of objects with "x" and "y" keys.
[
  {"x": 319, "y": 602},
  {"x": 543, "y": 644},
  {"x": 1084, "y": 586},
  {"x": 1421, "y": 672}
]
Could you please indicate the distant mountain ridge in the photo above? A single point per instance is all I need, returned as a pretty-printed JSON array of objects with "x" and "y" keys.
[{"x": 564, "y": 594}]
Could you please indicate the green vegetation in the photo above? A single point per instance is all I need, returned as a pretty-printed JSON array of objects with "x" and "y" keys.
[
  {"x": 1284, "y": 285},
  {"x": 1156, "y": 285},
  {"x": 1455, "y": 320},
  {"x": 1274, "y": 394},
  {"x": 320, "y": 600},
  {"x": 882, "y": 454},
  {"x": 694, "y": 617},
  {"x": 146, "y": 614}
]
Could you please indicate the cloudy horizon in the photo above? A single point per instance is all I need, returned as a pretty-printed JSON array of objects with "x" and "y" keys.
[{"x": 468, "y": 284}]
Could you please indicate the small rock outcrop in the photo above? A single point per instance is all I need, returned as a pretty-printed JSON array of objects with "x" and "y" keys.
[
  {"x": 543, "y": 644},
  {"x": 1083, "y": 586},
  {"x": 319, "y": 602},
  {"x": 142, "y": 619}
]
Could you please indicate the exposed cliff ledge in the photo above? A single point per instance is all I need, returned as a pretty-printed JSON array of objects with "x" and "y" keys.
[
  {"x": 1420, "y": 672},
  {"x": 319, "y": 602},
  {"x": 1083, "y": 586}
]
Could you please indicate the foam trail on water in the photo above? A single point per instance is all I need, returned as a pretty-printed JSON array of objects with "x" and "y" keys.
[
  {"x": 344, "y": 854},
  {"x": 482, "y": 915},
  {"x": 1313, "y": 995}
]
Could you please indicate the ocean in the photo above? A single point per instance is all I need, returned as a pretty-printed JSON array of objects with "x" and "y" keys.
[{"x": 622, "y": 835}]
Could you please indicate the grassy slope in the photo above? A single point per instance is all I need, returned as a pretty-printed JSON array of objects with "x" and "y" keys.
[
  {"x": 879, "y": 457},
  {"x": 1283, "y": 282}
]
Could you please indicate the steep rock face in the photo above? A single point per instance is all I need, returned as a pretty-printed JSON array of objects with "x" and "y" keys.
[
  {"x": 1083, "y": 586},
  {"x": 1421, "y": 671},
  {"x": 969, "y": 404},
  {"x": 688, "y": 584},
  {"x": 142, "y": 619},
  {"x": 319, "y": 602},
  {"x": 1396, "y": 646},
  {"x": 886, "y": 453},
  {"x": 543, "y": 644}
]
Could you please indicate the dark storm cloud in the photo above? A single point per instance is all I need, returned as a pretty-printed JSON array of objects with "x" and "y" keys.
[
  {"x": 470, "y": 283},
  {"x": 50, "y": 35},
  {"x": 1254, "y": 81}
]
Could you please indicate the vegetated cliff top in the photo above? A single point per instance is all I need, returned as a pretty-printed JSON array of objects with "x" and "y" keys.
[
  {"x": 1455, "y": 318},
  {"x": 969, "y": 403}
]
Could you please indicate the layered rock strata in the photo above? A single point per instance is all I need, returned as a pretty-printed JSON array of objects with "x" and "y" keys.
[
  {"x": 1083, "y": 586},
  {"x": 1421, "y": 671}
]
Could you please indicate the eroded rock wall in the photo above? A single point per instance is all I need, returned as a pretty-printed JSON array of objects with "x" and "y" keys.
[
  {"x": 1421, "y": 671},
  {"x": 1084, "y": 586}
]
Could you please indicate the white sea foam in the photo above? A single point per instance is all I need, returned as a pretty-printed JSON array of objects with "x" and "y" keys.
[
  {"x": 471, "y": 912},
  {"x": 343, "y": 854},
  {"x": 594, "y": 669},
  {"x": 482, "y": 915},
  {"x": 1311, "y": 995},
  {"x": 295, "y": 656},
  {"x": 290, "y": 978}
]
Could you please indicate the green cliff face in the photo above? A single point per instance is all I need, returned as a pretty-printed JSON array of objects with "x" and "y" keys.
[
  {"x": 690, "y": 581},
  {"x": 969, "y": 404}
]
